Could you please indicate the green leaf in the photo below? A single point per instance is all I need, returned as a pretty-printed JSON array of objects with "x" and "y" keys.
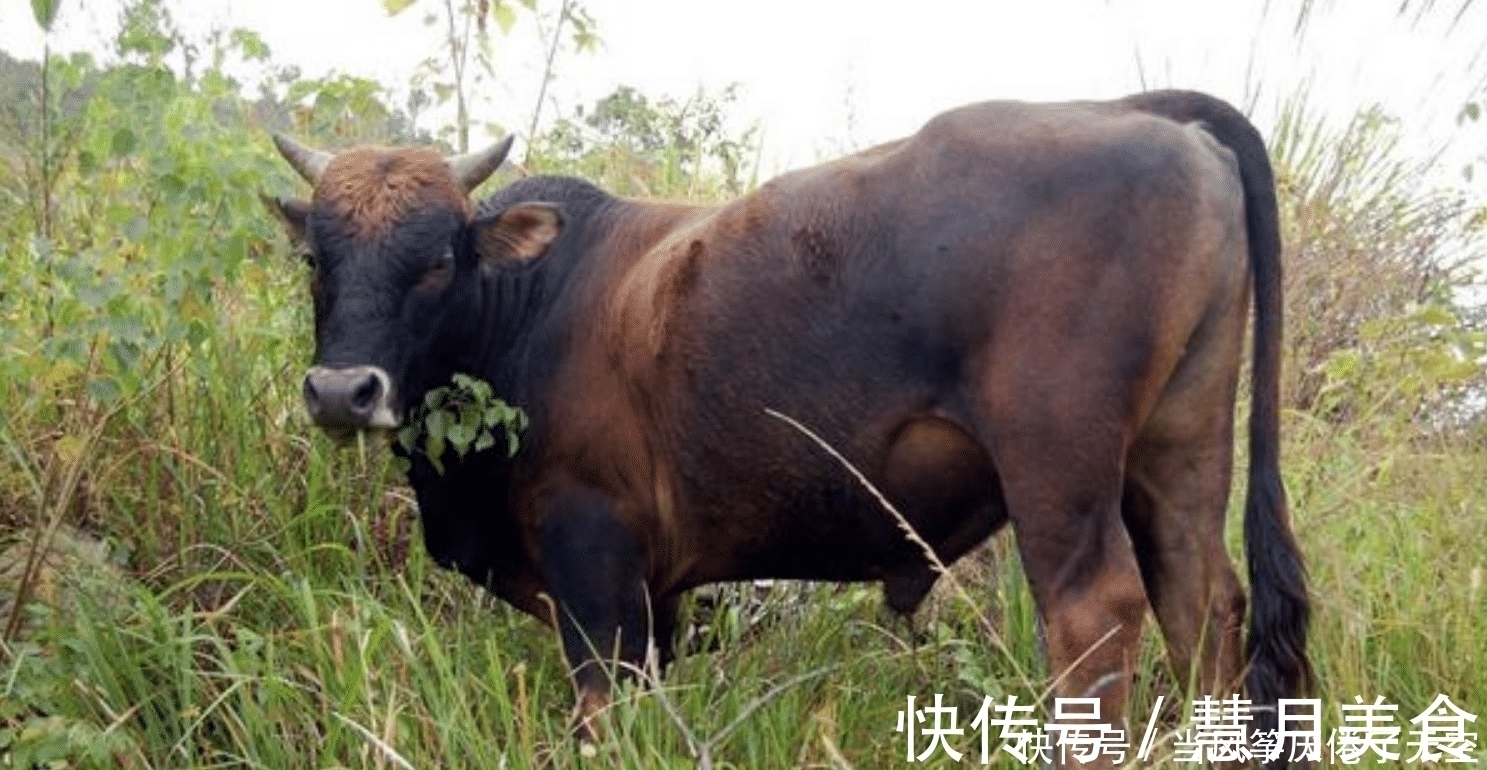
[
  {"x": 125, "y": 353},
  {"x": 237, "y": 248},
  {"x": 124, "y": 142},
  {"x": 126, "y": 329},
  {"x": 196, "y": 333},
  {"x": 118, "y": 213},
  {"x": 505, "y": 17},
  {"x": 460, "y": 437},
  {"x": 408, "y": 435},
  {"x": 437, "y": 425},
  {"x": 45, "y": 12},
  {"x": 249, "y": 42},
  {"x": 434, "y": 450},
  {"x": 395, "y": 7},
  {"x": 1436, "y": 316},
  {"x": 103, "y": 389},
  {"x": 92, "y": 295},
  {"x": 1344, "y": 364},
  {"x": 486, "y": 441},
  {"x": 171, "y": 185},
  {"x": 136, "y": 228}
]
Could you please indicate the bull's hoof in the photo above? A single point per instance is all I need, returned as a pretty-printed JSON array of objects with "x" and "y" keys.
[{"x": 587, "y": 716}]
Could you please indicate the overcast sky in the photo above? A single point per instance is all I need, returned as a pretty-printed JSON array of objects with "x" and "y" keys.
[{"x": 823, "y": 76}]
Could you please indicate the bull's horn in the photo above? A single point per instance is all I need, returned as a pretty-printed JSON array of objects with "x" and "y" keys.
[
  {"x": 309, "y": 163},
  {"x": 472, "y": 168}
]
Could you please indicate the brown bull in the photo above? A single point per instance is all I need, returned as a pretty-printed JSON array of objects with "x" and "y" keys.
[{"x": 1023, "y": 312}]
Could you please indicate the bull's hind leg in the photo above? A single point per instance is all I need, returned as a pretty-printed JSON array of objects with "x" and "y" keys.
[
  {"x": 1177, "y": 489},
  {"x": 1062, "y": 487}
]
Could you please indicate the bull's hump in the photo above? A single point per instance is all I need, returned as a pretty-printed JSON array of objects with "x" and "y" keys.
[{"x": 372, "y": 189}]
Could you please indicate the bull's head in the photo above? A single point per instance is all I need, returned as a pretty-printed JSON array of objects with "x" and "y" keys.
[{"x": 391, "y": 237}]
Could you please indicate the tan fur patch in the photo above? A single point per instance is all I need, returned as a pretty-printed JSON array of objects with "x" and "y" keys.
[{"x": 372, "y": 189}]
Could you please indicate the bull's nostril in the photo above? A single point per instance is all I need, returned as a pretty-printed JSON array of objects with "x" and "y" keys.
[{"x": 364, "y": 398}]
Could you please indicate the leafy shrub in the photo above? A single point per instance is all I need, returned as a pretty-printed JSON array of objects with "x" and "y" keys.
[
  {"x": 462, "y": 416},
  {"x": 634, "y": 144},
  {"x": 1378, "y": 264}
]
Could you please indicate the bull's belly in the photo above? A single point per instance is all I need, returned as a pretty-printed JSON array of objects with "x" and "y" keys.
[{"x": 818, "y": 521}]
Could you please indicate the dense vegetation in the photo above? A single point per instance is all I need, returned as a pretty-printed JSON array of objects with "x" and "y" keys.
[{"x": 205, "y": 581}]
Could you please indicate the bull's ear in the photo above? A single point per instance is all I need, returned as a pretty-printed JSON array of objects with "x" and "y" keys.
[
  {"x": 295, "y": 215},
  {"x": 518, "y": 234}
]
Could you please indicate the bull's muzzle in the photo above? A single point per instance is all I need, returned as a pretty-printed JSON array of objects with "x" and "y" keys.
[{"x": 350, "y": 398}]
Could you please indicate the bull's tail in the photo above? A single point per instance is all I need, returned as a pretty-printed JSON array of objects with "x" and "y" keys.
[{"x": 1278, "y": 666}]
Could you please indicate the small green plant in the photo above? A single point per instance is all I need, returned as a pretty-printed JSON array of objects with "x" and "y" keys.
[{"x": 464, "y": 416}]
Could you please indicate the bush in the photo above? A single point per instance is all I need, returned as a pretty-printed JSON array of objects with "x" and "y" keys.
[{"x": 1378, "y": 267}]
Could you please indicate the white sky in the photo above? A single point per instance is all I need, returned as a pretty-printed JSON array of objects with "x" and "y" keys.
[{"x": 821, "y": 77}]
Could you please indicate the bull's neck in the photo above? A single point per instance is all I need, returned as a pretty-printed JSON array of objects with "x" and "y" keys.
[
  {"x": 517, "y": 320},
  {"x": 516, "y": 324}
]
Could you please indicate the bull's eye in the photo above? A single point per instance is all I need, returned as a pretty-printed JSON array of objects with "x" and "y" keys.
[{"x": 439, "y": 274}]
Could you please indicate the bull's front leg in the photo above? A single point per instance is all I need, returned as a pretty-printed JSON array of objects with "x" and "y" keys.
[{"x": 595, "y": 571}]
